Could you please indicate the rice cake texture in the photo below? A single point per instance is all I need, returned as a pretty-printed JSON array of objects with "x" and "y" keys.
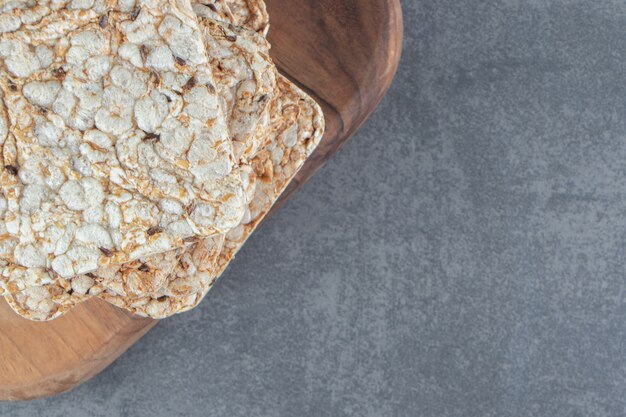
[
  {"x": 145, "y": 274},
  {"x": 217, "y": 10},
  {"x": 116, "y": 144},
  {"x": 246, "y": 88},
  {"x": 147, "y": 265},
  {"x": 198, "y": 265},
  {"x": 246, "y": 83},
  {"x": 297, "y": 126},
  {"x": 251, "y": 14},
  {"x": 239, "y": 58}
]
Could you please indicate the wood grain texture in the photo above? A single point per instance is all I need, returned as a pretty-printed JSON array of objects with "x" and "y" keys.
[
  {"x": 42, "y": 359},
  {"x": 342, "y": 52}
]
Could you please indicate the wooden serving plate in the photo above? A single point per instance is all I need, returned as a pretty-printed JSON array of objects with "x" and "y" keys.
[{"x": 345, "y": 54}]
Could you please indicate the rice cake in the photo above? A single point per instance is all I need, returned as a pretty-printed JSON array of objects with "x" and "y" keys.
[
  {"x": 217, "y": 10},
  {"x": 180, "y": 297},
  {"x": 246, "y": 82},
  {"x": 245, "y": 77},
  {"x": 119, "y": 183},
  {"x": 146, "y": 265},
  {"x": 298, "y": 125},
  {"x": 239, "y": 58}
]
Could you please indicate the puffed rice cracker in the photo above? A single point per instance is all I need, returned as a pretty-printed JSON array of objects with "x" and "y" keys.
[
  {"x": 298, "y": 128},
  {"x": 232, "y": 75},
  {"x": 117, "y": 185},
  {"x": 245, "y": 80},
  {"x": 298, "y": 125},
  {"x": 251, "y": 14}
]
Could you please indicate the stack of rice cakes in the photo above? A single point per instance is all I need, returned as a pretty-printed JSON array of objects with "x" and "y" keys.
[{"x": 143, "y": 142}]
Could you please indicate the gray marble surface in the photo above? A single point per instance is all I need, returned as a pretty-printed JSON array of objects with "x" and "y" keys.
[{"x": 463, "y": 255}]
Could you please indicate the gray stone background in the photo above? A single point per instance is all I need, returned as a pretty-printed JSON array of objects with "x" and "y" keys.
[{"x": 463, "y": 255}]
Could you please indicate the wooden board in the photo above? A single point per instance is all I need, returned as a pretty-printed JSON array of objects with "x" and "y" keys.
[{"x": 345, "y": 54}]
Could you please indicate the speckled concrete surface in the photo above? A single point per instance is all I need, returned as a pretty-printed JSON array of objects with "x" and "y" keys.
[{"x": 463, "y": 255}]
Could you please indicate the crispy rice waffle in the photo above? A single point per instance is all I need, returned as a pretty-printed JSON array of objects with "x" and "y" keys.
[
  {"x": 251, "y": 14},
  {"x": 240, "y": 58},
  {"x": 90, "y": 180},
  {"x": 235, "y": 84},
  {"x": 175, "y": 281},
  {"x": 297, "y": 129}
]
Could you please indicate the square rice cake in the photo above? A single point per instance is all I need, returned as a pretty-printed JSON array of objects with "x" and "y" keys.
[{"x": 114, "y": 142}]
